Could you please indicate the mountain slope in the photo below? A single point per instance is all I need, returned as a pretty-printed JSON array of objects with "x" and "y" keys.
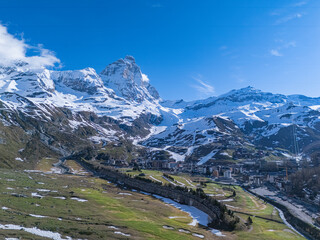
[
  {"x": 259, "y": 118},
  {"x": 67, "y": 111}
]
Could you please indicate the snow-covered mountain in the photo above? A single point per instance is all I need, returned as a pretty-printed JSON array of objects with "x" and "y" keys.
[
  {"x": 126, "y": 79},
  {"x": 54, "y": 106},
  {"x": 85, "y": 90},
  {"x": 119, "y": 105},
  {"x": 238, "y": 119}
]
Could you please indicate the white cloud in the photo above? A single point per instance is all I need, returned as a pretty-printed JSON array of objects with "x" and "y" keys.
[
  {"x": 14, "y": 50},
  {"x": 145, "y": 77},
  {"x": 286, "y": 9},
  {"x": 276, "y": 12},
  {"x": 275, "y": 53},
  {"x": 299, "y": 4},
  {"x": 289, "y": 44},
  {"x": 203, "y": 88},
  {"x": 282, "y": 45},
  {"x": 289, "y": 18}
]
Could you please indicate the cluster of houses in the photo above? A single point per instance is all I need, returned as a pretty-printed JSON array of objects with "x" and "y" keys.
[
  {"x": 255, "y": 173},
  {"x": 253, "y": 170},
  {"x": 259, "y": 173},
  {"x": 250, "y": 170}
]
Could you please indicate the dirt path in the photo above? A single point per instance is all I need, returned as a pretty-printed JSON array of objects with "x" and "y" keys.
[{"x": 260, "y": 206}]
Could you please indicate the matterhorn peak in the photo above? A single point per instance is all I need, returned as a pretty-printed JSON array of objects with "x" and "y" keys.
[
  {"x": 124, "y": 76},
  {"x": 130, "y": 59}
]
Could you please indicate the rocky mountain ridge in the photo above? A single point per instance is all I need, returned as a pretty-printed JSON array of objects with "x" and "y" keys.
[{"x": 120, "y": 106}]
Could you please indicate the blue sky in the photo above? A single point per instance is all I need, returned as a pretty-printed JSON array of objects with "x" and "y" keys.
[{"x": 188, "y": 49}]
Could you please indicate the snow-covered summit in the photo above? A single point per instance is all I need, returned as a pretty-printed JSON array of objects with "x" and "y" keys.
[
  {"x": 26, "y": 82},
  {"x": 85, "y": 80},
  {"x": 122, "y": 91},
  {"x": 252, "y": 94},
  {"x": 238, "y": 97},
  {"x": 124, "y": 76}
]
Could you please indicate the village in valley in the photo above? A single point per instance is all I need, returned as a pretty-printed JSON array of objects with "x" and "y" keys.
[{"x": 250, "y": 170}]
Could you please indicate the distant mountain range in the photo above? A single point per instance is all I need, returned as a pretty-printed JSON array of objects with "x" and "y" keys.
[{"x": 45, "y": 113}]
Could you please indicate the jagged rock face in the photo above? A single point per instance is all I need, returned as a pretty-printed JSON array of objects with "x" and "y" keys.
[
  {"x": 126, "y": 79},
  {"x": 26, "y": 82},
  {"x": 86, "y": 80}
]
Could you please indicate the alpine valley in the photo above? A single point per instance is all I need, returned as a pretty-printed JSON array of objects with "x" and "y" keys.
[
  {"x": 107, "y": 149},
  {"x": 47, "y": 113}
]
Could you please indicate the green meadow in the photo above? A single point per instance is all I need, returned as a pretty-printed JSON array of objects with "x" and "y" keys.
[
  {"x": 243, "y": 202},
  {"x": 82, "y": 206}
]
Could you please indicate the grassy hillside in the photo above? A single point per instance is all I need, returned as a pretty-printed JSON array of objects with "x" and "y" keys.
[
  {"x": 243, "y": 203},
  {"x": 49, "y": 202}
]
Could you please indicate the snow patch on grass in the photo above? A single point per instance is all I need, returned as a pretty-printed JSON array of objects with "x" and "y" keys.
[
  {"x": 36, "y": 195},
  {"x": 79, "y": 199},
  {"x": 62, "y": 198},
  {"x": 37, "y": 216},
  {"x": 43, "y": 190},
  {"x": 197, "y": 235},
  {"x": 35, "y": 231},
  {"x": 127, "y": 194},
  {"x": 19, "y": 159},
  {"x": 123, "y": 234}
]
